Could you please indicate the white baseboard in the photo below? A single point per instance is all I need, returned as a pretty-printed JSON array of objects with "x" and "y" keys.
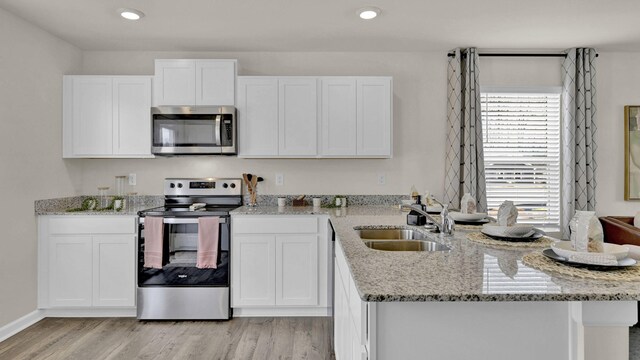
[
  {"x": 20, "y": 324},
  {"x": 79, "y": 312},
  {"x": 280, "y": 312}
]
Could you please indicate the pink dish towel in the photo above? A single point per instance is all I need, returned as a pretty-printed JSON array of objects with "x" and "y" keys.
[
  {"x": 153, "y": 239},
  {"x": 208, "y": 228}
]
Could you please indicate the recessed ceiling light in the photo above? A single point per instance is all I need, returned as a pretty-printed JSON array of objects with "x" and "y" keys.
[
  {"x": 369, "y": 12},
  {"x": 131, "y": 14}
]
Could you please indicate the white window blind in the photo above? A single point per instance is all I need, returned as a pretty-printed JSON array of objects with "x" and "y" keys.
[{"x": 521, "y": 132}]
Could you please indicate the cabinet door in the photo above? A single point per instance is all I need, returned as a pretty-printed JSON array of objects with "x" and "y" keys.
[
  {"x": 298, "y": 117},
  {"x": 131, "y": 118},
  {"x": 338, "y": 120},
  {"x": 253, "y": 270},
  {"x": 70, "y": 272},
  {"x": 341, "y": 334},
  {"x": 258, "y": 116},
  {"x": 175, "y": 82},
  {"x": 114, "y": 270},
  {"x": 215, "y": 82},
  {"x": 374, "y": 116},
  {"x": 92, "y": 120},
  {"x": 297, "y": 270}
]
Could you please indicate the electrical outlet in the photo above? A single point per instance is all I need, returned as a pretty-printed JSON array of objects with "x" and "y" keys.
[
  {"x": 382, "y": 179},
  {"x": 132, "y": 179},
  {"x": 279, "y": 179}
]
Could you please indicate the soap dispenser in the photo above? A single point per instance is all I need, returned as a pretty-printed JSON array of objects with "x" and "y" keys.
[{"x": 414, "y": 217}]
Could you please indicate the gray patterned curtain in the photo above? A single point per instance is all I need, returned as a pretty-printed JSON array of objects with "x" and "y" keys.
[
  {"x": 464, "y": 168},
  {"x": 578, "y": 190}
]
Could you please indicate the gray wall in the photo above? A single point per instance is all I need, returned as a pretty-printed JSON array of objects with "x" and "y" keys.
[{"x": 32, "y": 63}]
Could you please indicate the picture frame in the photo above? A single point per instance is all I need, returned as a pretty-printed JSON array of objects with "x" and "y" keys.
[{"x": 632, "y": 152}]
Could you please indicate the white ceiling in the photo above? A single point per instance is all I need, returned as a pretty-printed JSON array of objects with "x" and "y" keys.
[{"x": 332, "y": 25}]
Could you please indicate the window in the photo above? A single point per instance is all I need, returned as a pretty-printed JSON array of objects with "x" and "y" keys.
[{"x": 521, "y": 132}]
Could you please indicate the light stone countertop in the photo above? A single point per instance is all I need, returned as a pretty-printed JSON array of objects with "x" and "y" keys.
[
  {"x": 59, "y": 206},
  {"x": 469, "y": 272}
]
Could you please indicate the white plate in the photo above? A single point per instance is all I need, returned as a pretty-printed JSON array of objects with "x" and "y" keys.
[
  {"x": 458, "y": 216},
  {"x": 626, "y": 262},
  {"x": 563, "y": 248},
  {"x": 517, "y": 230}
]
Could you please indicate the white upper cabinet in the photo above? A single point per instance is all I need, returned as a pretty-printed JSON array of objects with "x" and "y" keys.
[
  {"x": 374, "y": 116},
  {"x": 188, "y": 82},
  {"x": 215, "y": 82},
  {"x": 92, "y": 111},
  {"x": 131, "y": 115},
  {"x": 338, "y": 116},
  {"x": 317, "y": 117},
  {"x": 175, "y": 82},
  {"x": 298, "y": 117},
  {"x": 258, "y": 116},
  {"x": 106, "y": 116}
]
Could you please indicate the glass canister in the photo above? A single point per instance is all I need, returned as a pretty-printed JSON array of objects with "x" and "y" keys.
[{"x": 104, "y": 199}]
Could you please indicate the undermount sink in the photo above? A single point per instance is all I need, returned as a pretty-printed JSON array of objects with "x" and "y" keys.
[
  {"x": 406, "y": 245},
  {"x": 398, "y": 240},
  {"x": 389, "y": 234}
]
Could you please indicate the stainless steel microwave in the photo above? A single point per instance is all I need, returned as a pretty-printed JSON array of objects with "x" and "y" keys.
[{"x": 202, "y": 130}]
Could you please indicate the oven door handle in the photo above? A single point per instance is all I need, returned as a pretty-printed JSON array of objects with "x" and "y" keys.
[
  {"x": 218, "y": 130},
  {"x": 183, "y": 221}
]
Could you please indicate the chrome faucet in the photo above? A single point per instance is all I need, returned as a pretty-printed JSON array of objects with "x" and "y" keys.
[{"x": 445, "y": 227}]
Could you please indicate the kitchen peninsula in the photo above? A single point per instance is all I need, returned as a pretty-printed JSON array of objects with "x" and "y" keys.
[{"x": 452, "y": 304}]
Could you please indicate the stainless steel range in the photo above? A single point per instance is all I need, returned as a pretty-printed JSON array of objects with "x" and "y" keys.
[{"x": 180, "y": 289}]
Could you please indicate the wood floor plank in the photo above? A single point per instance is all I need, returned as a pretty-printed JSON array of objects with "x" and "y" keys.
[{"x": 126, "y": 339}]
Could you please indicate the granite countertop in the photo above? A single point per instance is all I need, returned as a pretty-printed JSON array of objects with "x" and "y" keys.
[
  {"x": 59, "y": 206},
  {"x": 469, "y": 272},
  {"x": 275, "y": 210}
]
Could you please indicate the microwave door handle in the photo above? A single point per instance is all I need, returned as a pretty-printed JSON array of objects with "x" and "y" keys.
[{"x": 218, "y": 130}]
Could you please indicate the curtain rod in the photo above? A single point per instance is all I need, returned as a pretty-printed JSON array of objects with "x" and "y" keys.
[{"x": 518, "y": 55}]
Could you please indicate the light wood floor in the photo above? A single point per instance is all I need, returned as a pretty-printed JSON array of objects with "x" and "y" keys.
[{"x": 126, "y": 338}]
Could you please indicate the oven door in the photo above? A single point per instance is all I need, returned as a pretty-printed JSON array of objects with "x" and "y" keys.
[{"x": 180, "y": 247}]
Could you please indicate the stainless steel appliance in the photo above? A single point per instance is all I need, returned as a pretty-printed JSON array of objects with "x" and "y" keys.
[
  {"x": 204, "y": 130},
  {"x": 180, "y": 290}
]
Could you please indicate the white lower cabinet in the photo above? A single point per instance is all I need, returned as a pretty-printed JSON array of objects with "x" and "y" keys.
[
  {"x": 297, "y": 270},
  {"x": 350, "y": 314},
  {"x": 279, "y": 265},
  {"x": 79, "y": 268},
  {"x": 70, "y": 279},
  {"x": 253, "y": 270}
]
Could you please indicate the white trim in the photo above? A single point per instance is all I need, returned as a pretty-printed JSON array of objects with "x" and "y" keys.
[
  {"x": 522, "y": 89},
  {"x": 80, "y": 312},
  {"x": 20, "y": 324},
  {"x": 280, "y": 312}
]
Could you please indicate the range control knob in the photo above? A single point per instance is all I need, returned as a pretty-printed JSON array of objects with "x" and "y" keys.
[
  {"x": 225, "y": 185},
  {"x": 180, "y": 185},
  {"x": 233, "y": 185},
  {"x": 172, "y": 185}
]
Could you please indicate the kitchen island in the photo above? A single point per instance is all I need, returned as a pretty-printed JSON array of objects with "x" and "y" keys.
[{"x": 472, "y": 302}]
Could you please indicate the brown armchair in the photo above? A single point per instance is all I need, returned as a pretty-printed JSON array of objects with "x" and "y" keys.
[{"x": 620, "y": 230}]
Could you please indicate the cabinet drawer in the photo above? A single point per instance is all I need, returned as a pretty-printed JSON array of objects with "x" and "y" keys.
[
  {"x": 275, "y": 225},
  {"x": 92, "y": 225}
]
